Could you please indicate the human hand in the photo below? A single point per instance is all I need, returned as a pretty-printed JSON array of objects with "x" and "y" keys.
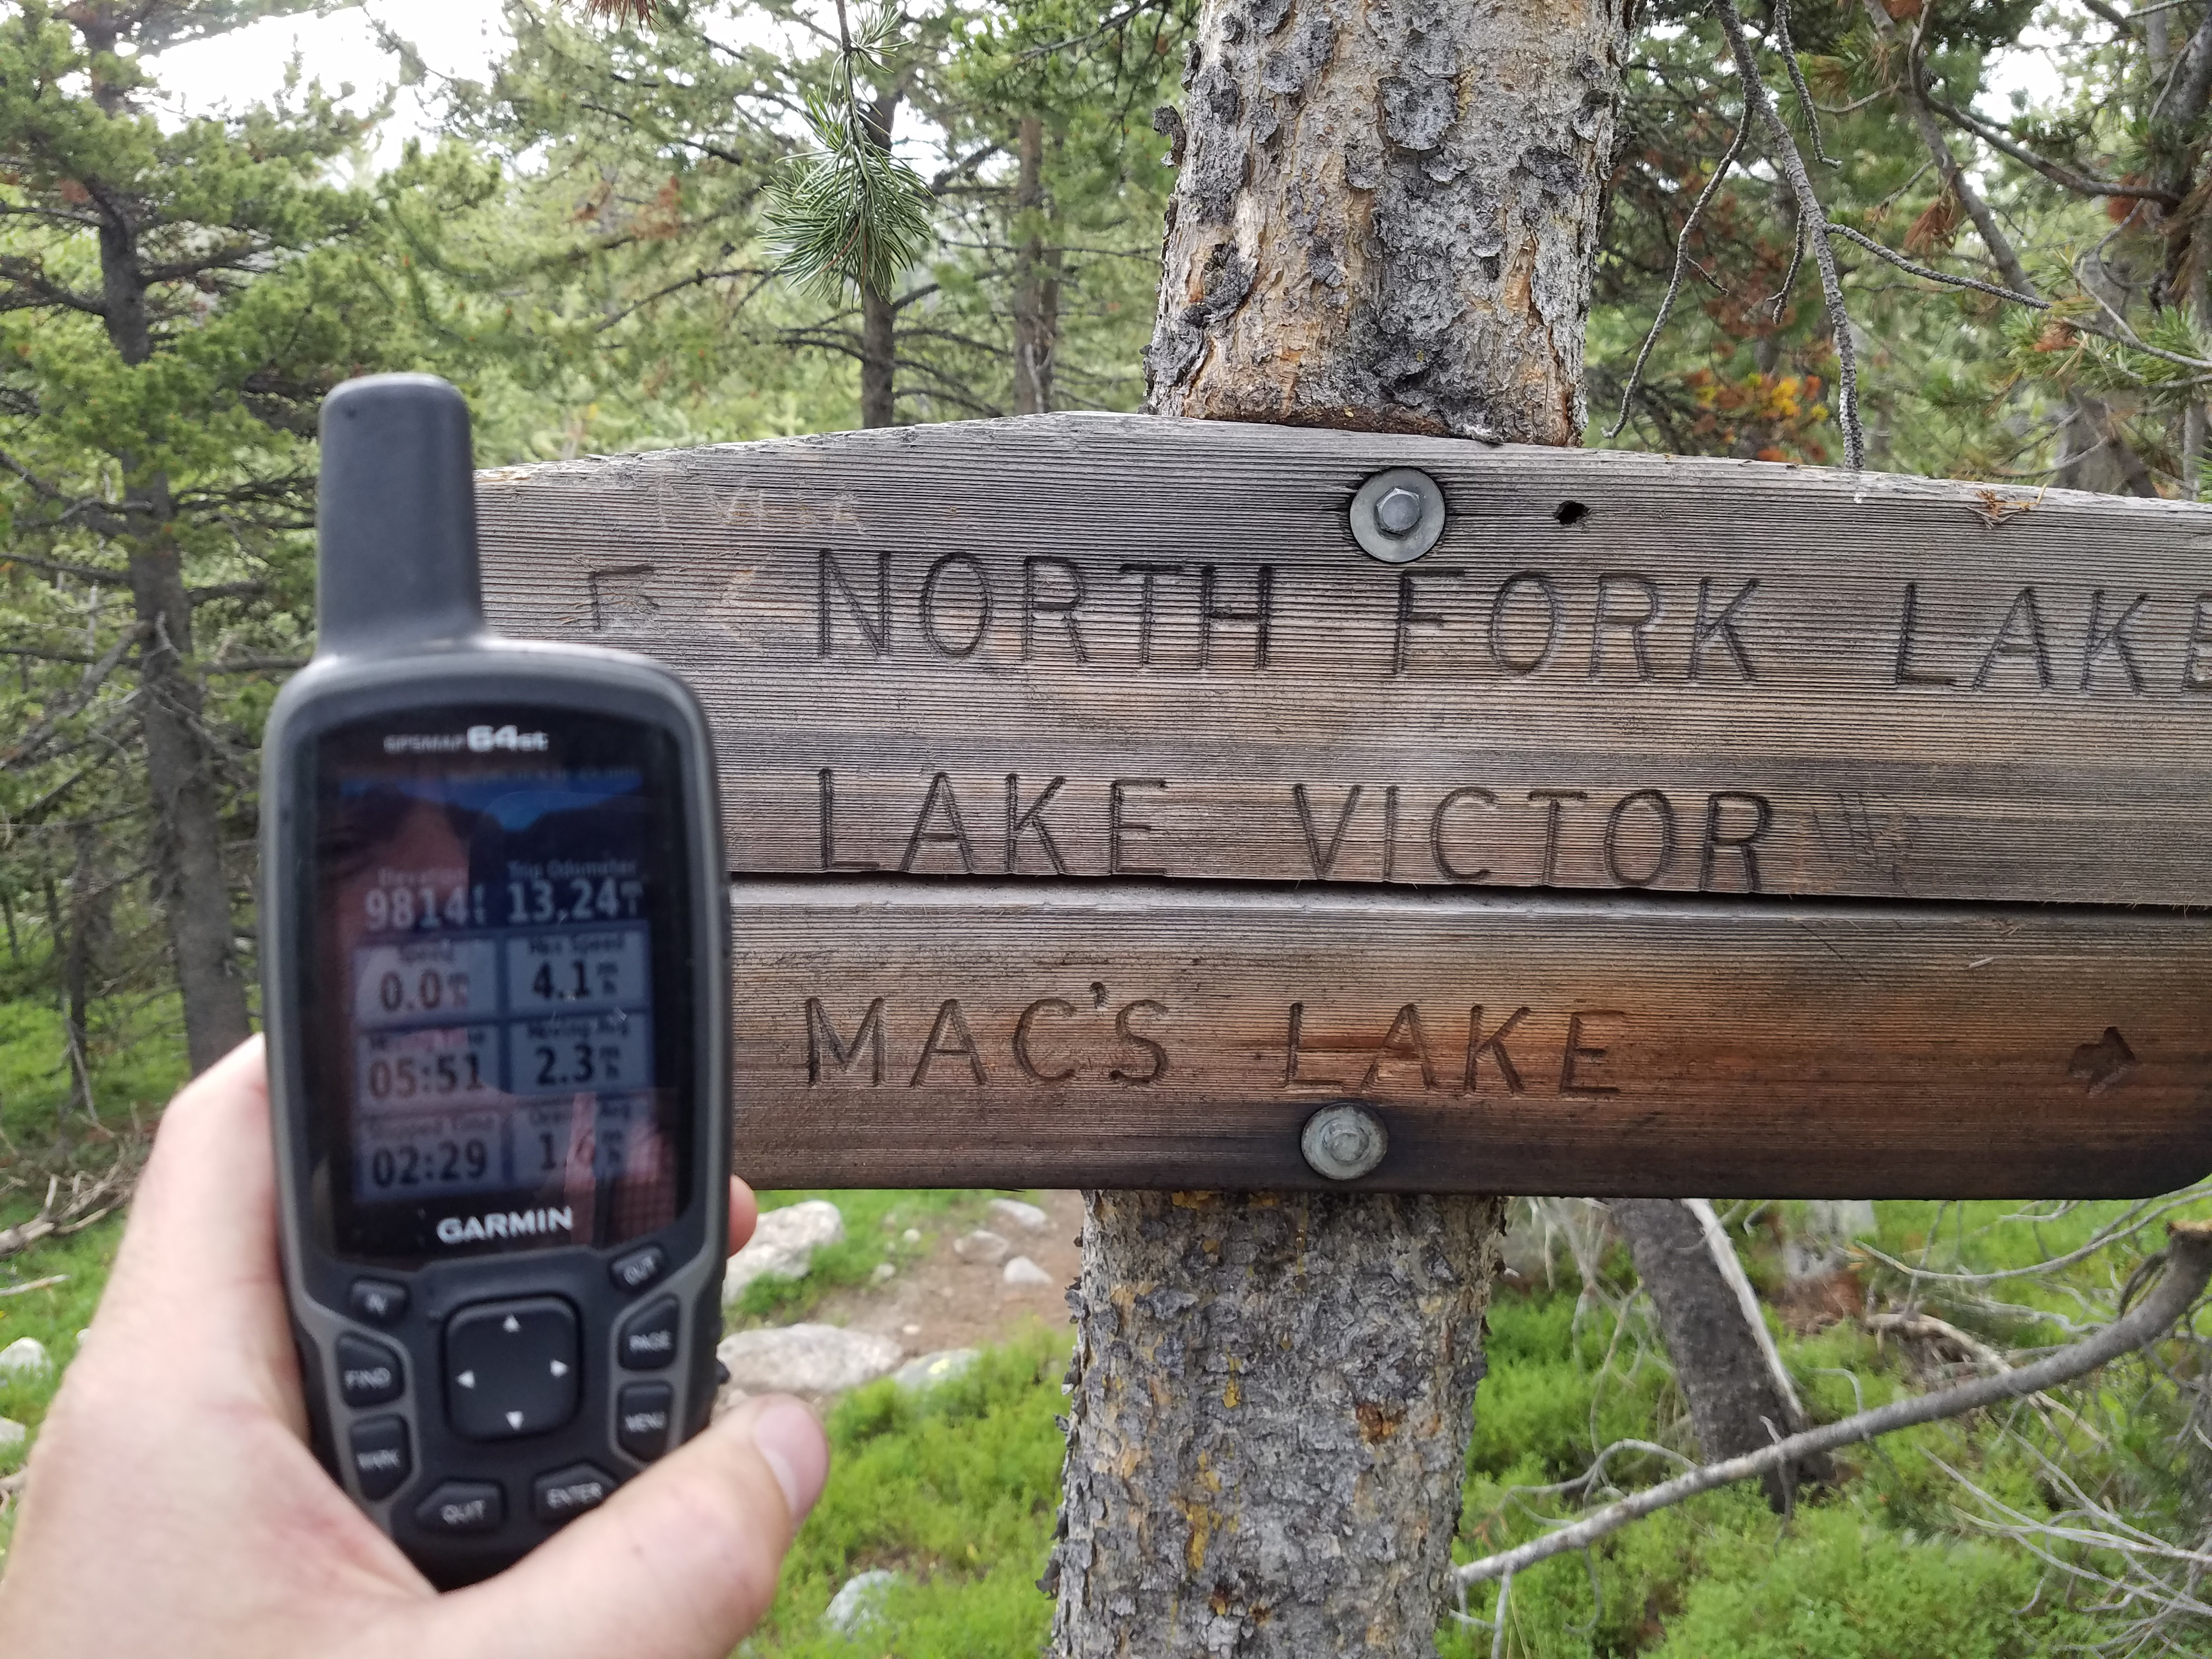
[{"x": 174, "y": 1510}]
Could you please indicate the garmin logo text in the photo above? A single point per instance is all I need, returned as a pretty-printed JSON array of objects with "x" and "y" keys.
[{"x": 511, "y": 1223}]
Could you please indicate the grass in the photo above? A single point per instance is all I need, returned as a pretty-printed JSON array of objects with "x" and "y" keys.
[{"x": 955, "y": 1490}]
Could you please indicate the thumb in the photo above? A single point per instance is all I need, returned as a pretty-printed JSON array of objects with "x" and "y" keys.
[{"x": 678, "y": 1564}]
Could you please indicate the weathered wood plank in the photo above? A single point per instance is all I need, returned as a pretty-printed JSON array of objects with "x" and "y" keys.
[
  {"x": 1615, "y": 671},
  {"x": 1125, "y": 1034}
]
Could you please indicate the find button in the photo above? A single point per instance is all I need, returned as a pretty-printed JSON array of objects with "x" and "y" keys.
[{"x": 370, "y": 1373}]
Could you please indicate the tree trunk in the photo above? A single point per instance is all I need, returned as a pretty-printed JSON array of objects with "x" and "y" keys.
[
  {"x": 1735, "y": 1404},
  {"x": 190, "y": 883},
  {"x": 88, "y": 935},
  {"x": 878, "y": 311},
  {"x": 1384, "y": 220},
  {"x": 1269, "y": 1424},
  {"x": 1037, "y": 279},
  {"x": 191, "y": 887}
]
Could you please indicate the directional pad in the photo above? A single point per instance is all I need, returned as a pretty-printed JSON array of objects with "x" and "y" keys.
[{"x": 511, "y": 1368}]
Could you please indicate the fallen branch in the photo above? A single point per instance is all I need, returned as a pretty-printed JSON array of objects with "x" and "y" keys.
[
  {"x": 2188, "y": 1264},
  {"x": 47, "y": 1283}
]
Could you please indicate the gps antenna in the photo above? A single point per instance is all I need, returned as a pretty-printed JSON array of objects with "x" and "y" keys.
[{"x": 396, "y": 519}]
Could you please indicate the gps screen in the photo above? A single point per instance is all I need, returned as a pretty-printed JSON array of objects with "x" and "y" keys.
[{"x": 501, "y": 1055}]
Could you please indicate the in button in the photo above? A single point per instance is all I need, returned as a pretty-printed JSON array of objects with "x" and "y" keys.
[{"x": 511, "y": 1368}]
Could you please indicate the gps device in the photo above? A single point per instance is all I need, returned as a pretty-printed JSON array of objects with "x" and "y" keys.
[{"x": 495, "y": 980}]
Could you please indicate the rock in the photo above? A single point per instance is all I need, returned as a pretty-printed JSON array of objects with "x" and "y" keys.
[
  {"x": 933, "y": 1369},
  {"x": 1015, "y": 1213},
  {"x": 12, "y": 1435},
  {"x": 883, "y": 1273},
  {"x": 1824, "y": 1246},
  {"x": 1023, "y": 1271},
  {"x": 783, "y": 1245},
  {"x": 806, "y": 1358},
  {"x": 25, "y": 1356},
  {"x": 981, "y": 1249},
  {"x": 859, "y": 1601},
  {"x": 911, "y": 1235},
  {"x": 910, "y": 1330}
]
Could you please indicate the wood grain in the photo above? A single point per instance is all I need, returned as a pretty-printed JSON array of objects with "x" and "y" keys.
[
  {"x": 1136, "y": 1035},
  {"x": 2015, "y": 746}
]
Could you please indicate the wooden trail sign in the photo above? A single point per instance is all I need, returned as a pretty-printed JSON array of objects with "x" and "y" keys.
[{"x": 1111, "y": 664}]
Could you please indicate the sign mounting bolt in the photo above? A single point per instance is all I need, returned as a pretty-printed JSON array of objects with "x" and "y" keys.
[
  {"x": 1344, "y": 1142},
  {"x": 1398, "y": 515}
]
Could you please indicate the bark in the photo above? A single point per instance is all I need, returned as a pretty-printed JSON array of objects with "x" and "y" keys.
[
  {"x": 1735, "y": 1404},
  {"x": 1384, "y": 220},
  {"x": 191, "y": 887},
  {"x": 878, "y": 311},
  {"x": 1268, "y": 1427},
  {"x": 1037, "y": 279},
  {"x": 1386, "y": 217},
  {"x": 88, "y": 913}
]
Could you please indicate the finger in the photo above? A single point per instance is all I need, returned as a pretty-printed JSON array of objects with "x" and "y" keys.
[
  {"x": 202, "y": 1239},
  {"x": 679, "y": 1564},
  {"x": 744, "y": 1213}
]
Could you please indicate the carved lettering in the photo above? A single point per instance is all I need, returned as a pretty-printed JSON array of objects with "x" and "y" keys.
[
  {"x": 2095, "y": 643},
  {"x": 1118, "y": 826},
  {"x": 1762, "y": 811},
  {"x": 1477, "y": 1045},
  {"x": 1019, "y": 818},
  {"x": 2025, "y": 606},
  {"x": 1905, "y": 673},
  {"x": 972, "y": 567},
  {"x": 951, "y": 1020},
  {"x": 1035, "y": 607},
  {"x": 1262, "y": 616},
  {"x": 1146, "y": 575},
  {"x": 1722, "y": 628},
  {"x": 1410, "y": 1046},
  {"x": 1554, "y": 804},
  {"x": 1154, "y": 1053},
  {"x": 1323, "y": 861},
  {"x": 821, "y": 1034},
  {"x": 1445, "y": 866},
  {"x": 1390, "y": 833},
  {"x": 829, "y": 573},
  {"x": 1022, "y": 1056},
  {"x": 1408, "y": 617},
  {"x": 1572, "y": 1080},
  {"x": 1293, "y": 1057},
  {"x": 1554, "y": 619},
  {"x": 1635, "y": 626},
  {"x": 1664, "y": 817},
  {"x": 941, "y": 798},
  {"x": 828, "y": 784},
  {"x": 2200, "y": 635}
]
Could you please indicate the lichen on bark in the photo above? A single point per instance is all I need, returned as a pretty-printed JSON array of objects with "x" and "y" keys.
[
  {"x": 1270, "y": 1404},
  {"x": 1386, "y": 216}
]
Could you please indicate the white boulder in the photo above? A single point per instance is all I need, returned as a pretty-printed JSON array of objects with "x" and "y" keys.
[
  {"x": 806, "y": 1358},
  {"x": 25, "y": 1356},
  {"x": 1013, "y": 1213},
  {"x": 783, "y": 1245},
  {"x": 859, "y": 1602},
  {"x": 12, "y": 1435},
  {"x": 981, "y": 1249},
  {"x": 1023, "y": 1271},
  {"x": 931, "y": 1369}
]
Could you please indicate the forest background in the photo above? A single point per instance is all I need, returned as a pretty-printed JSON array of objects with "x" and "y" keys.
[{"x": 594, "y": 236}]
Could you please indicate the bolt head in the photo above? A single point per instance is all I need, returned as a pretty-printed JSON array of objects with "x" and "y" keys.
[
  {"x": 1398, "y": 511},
  {"x": 1343, "y": 1142}
]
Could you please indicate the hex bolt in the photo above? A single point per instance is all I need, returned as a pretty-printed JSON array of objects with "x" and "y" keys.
[
  {"x": 1398, "y": 512},
  {"x": 1398, "y": 515},
  {"x": 1344, "y": 1142}
]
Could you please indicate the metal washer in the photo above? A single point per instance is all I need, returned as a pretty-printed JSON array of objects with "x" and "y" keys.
[{"x": 1397, "y": 547}]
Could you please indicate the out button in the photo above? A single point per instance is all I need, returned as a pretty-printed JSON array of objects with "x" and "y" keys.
[{"x": 511, "y": 1368}]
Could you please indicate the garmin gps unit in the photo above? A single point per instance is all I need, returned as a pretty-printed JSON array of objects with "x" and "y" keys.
[{"x": 495, "y": 965}]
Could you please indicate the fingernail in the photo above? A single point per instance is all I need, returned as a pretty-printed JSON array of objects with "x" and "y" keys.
[{"x": 791, "y": 1442}]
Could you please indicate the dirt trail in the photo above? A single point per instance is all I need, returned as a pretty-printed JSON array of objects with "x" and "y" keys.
[{"x": 939, "y": 1302}]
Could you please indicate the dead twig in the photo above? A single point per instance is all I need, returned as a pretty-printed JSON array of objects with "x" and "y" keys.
[{"x": 2187, "y": 1261}]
